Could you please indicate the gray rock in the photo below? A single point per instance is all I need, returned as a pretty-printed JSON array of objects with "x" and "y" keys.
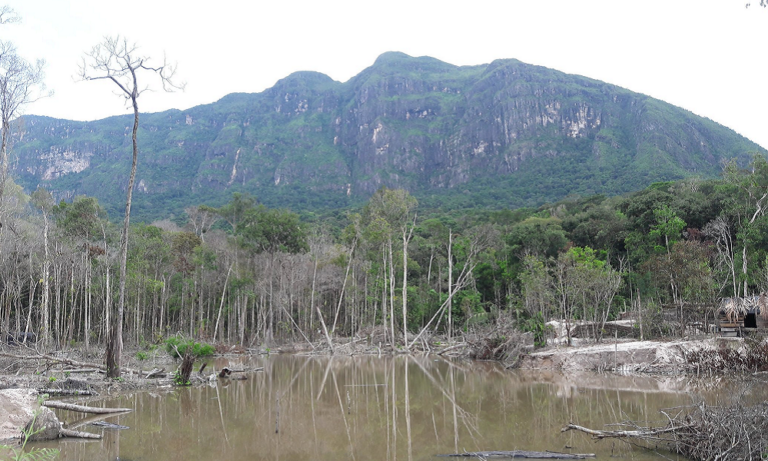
[{"x": 47, "y": 423}]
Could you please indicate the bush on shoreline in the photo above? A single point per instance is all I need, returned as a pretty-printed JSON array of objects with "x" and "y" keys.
[{"x": 177, "y": 347}]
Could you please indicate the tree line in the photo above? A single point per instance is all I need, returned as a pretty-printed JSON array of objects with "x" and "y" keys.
[{"x": 244, "y": 273}]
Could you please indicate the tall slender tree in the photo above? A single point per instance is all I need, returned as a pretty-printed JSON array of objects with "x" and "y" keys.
[
  {"x": 119, "y": 61},
  {"x": 43, "y": 200}
]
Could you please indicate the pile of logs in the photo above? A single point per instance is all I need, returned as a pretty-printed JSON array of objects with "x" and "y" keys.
[
  {"x": 702, "y": 432},
  {"x": 46, "y": 426}
]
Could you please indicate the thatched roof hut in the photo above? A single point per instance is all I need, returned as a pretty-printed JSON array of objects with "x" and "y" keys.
[{"x": 747, "y": 312}]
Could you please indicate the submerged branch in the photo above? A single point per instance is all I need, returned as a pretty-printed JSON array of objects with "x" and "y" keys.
[{"x": 82, "y": 408}]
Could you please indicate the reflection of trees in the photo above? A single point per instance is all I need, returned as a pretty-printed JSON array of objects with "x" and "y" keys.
[
  {"x": 343, "y": 416},
  {"x": 468, "y": 420},
  {"x": 367, "y": 408}
]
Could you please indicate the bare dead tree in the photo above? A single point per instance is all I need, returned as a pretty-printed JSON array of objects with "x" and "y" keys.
[
  {"x": 202, "y": 218},
  {"x": 119, "y": 61}
]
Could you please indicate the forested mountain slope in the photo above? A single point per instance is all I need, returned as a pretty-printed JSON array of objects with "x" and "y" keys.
[{"x": 505, "y": 134}]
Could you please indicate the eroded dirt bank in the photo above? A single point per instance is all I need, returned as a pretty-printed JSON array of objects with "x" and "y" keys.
[{"x": 660, "y": 357}]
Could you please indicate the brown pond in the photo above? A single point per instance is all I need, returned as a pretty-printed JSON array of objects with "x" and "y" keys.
[{"x": 368, "y": 408}]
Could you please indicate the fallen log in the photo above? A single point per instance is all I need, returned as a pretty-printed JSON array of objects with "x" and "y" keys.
[
  {"x": 156, "y": 373},
  {"x": 65, "y": 391},
  {"x": 650, "y": 432},
  {"x": 78, "y": 434},
  {"x": 450, "y": 348},
  {"x": 83, "y": 409},
  {"x": 74, "y": 363},
  {"x": 51, "y": 358},
  {"x": 243, "y": 370},
  {"x": 520, "y": 454}
]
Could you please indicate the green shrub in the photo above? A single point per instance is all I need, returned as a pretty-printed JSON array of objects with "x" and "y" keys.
[
  {"x": 536, "y": 325},
  {"x": 182, "y": 345}
]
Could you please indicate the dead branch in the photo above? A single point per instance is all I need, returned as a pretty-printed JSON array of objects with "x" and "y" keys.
[
  {"x": 644, "y": 433},
  {"x": 156, "y": 373},
  {"x": 448, "y": 349},
  {"x": 53, "y": 391},
  {"x": 82, "y": 408},
  {"x": 520, "y": 454},
  {"x": 702, "y": 432}
]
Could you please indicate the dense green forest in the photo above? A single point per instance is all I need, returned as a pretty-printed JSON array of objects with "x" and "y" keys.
[{"x": 248, "y": 274}]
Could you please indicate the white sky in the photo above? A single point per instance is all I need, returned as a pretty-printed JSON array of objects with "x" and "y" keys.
[{"x": 707, "y": 56}]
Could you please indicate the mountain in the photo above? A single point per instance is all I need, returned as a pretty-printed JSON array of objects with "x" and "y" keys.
[{"x": 505, "y": 134}]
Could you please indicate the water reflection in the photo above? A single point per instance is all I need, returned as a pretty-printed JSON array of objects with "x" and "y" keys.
[{"x": 368, "y": 408}]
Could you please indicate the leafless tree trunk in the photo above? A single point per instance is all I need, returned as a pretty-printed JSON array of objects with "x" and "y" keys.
[
  {"x": 450, "y": 284},
  {"x": 117, "y": 60}
]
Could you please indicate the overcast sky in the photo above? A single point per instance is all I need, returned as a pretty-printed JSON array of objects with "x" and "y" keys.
[{"x": 707, "y": 56}]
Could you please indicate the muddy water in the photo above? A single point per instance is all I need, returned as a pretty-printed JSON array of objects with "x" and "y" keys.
[{"x": 368, "y": 408}]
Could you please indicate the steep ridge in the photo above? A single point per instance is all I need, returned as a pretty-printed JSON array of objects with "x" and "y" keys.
[{"x": 502, "y": 135}]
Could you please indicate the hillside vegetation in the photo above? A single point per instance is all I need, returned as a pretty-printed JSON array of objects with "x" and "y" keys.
[{"x": 502, "y": 135}]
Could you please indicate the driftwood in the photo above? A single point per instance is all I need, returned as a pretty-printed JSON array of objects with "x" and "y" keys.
[
  {"x": 78, "y": 434},
  {"x": 701, "y": 432},
  {"x": 242, "y": 370},
  {"x": 226, "y": 372},
  {"x": 156, "y": 373},
  {"x": 54, "y": 391},
  {"x": 83, "y": 409},
  {"x": 448, "y": 349},
  {"x": 644, "y": 433},
  {"x": 520, "y": 454}
]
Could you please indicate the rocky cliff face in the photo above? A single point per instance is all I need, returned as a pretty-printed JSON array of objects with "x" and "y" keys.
[{"x": 508, "y": 129}]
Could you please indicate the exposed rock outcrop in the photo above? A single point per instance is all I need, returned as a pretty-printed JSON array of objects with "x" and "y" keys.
[{"x": 518, "y": 132}]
